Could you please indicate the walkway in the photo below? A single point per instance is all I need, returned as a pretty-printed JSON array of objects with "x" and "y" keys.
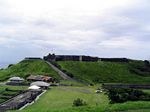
[{"x": 64, "y": 75}]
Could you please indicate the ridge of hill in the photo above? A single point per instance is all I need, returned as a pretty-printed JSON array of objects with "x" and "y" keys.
[{"x": 26, "y": 67}]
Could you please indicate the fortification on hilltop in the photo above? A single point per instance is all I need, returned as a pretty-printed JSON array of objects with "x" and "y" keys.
[{"x": 53, "y": 57}]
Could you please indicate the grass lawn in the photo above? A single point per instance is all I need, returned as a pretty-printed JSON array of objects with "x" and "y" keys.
[
  {"x": 60, "y": 99},
  {"x": 72, "y": 83},
  {"x": 140, "y": 106},
  {"x": 139, "y": 110},
  {"x": 63, "y": 97}
]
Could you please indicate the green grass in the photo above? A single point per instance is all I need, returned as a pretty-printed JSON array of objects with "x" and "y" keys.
[
  {"x": 63, "y": 97},
  {"x": 126, "y": 107},
  {"x": 139, "y": 110},
  {"x": 13, "y": 87},
  {"x": 70, "y": 83},
  {"x": 60, "y": 99},
  {"x": 26, "y": 67},
  {"x": 107, "y": 72}
]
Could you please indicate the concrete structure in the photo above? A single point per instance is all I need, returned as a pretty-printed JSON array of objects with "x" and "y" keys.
[
  {"x": 33, "y": 58},
  {"x": 16, "y": 79},
  {"x": 41, "y": 84},
  {"x": 34, "y": 87},
  {"x": 53, "y": 57},
  {"x": 114, "y": 59}
]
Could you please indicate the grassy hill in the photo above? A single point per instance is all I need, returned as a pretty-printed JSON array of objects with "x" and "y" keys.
[
  {"x": 60, "y": 99},
  {"x": 92, "y": 72},
  {"x": 108, "y": 72},
  {"x": 26, "y": 67}
]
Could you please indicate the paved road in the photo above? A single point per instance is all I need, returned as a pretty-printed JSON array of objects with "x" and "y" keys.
[{"x": 64, "y": 75}]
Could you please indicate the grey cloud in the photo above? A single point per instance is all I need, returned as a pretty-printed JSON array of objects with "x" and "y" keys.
[
  {"x": 9, "y": 20},
  {"x": 123, "y": 33},
  {"x": 44, "y": 23}
]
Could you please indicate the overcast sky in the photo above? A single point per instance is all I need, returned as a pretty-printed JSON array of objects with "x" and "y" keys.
[{"x": 104, "y": 28}]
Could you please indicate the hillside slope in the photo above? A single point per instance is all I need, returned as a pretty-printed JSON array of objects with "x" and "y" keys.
[
  {"x": 26, "y": 67},
  {"x": 108, "y": 72}
]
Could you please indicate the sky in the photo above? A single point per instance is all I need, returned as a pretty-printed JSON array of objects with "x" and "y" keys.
[{"x": 104, "y": 28}]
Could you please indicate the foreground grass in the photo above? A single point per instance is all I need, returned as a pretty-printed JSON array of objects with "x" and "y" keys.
[
  {"x": 107, "y": 72},
  {"x": 60, "y": 99},
  {"x": 139, "y": 110},
  {"x": 125, "y": 107},
  {"x": 26, "y": 67},
  {"x": 130, "y": 106}
]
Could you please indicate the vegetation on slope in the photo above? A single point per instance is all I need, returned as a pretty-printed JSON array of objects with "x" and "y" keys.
[
  {"x": 120, "y": 95},
  {"x": 26, "y": 67},
  {"x": 108, "y": 72},
  {"x": 141, "y": 68}
]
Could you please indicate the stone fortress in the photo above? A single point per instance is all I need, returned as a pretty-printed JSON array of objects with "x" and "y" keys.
[{"x": 53, "y": 57}]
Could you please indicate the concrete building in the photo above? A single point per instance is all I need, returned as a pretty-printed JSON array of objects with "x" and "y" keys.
[{"x": 41, "y": 84}]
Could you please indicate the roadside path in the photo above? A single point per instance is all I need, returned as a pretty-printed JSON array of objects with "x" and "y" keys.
[{"x": 64, "y": 75}]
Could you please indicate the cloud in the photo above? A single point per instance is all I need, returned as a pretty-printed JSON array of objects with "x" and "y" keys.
[{"x": 118, "y": 28}]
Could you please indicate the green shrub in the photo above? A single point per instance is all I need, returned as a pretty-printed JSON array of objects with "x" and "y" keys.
[
  {"x": 79, "y": 102},
  {"x": 120, "y": 95},
  {"x": 10, "y": 65}
]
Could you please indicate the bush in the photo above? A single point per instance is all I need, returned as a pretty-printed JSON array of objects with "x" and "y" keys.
[
  {"x": 10, "y": 65},
  {"x": 70, "y": 74},
  {"x": 120, "y": 95},
  {"x": 79, "y": 102},
  {"x": 147, "y": 63}
]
